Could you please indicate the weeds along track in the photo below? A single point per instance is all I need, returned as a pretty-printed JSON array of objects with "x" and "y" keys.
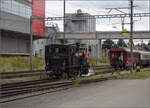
[
  {"x": 101, "y": 67},
  {"x": 5, "y": 75}
]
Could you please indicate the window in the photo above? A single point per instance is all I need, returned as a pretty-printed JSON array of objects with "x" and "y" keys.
[
  {"x": 28, "y": 11},
  {"x": 22, "y": 9},
  {"x": 42, "y": 42},
  {"x": 56, "y": 50},
  {"x": 16, "y": 8},
  {"x": 1, "y": 4},
  {"x": 7, "y": 5}
]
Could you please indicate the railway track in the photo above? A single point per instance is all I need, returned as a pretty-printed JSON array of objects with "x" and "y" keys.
[
  {"x": 6, "y": 75},
  {"x": 19, "y": 90},
  {"x": 21, "y": 74},
  {"x": 13, "y": 91}
]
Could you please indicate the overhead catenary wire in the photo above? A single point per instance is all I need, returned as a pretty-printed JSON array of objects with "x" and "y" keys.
[{"x": 60, "y": 18}]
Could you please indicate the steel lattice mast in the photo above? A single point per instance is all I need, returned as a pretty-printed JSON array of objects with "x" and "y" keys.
[{"x": 102, "y": 16}]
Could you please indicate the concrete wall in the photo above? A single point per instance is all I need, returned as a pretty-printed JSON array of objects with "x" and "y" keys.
[
  {"x": 0, "y": 42},
  {"x": 39, "y": 47},
  {"x": 103, "y": 35},
  {"x": 13, "y": 45},
  {"x": 13, "y": 22},
  {"x": 39, "y": 44}
]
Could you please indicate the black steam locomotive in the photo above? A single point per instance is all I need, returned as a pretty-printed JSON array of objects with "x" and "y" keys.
[{"x": 65, "y": 60}]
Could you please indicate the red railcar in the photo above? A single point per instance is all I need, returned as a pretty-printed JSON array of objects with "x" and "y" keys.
[{"x": 122, "y": 56}]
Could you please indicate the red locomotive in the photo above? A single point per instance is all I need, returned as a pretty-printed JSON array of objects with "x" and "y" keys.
[{"x": 120, "y": 58}]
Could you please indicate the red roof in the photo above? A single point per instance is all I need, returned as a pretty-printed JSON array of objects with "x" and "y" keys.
[{"x": 117, "y": 49}]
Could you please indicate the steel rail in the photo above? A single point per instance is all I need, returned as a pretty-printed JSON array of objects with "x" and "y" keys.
[
  {"x": 21, "y": 73},
  {"x": 15, "y": 89}
]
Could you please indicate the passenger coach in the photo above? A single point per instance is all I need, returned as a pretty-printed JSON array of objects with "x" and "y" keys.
[{"x": 120, "y": 58}]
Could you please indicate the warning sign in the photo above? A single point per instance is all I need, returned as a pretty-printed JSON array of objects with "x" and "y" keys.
[{"x": 125, "y": 32}]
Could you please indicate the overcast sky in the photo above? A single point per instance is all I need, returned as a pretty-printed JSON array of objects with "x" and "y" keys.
[{"x": 55, "y": 8}]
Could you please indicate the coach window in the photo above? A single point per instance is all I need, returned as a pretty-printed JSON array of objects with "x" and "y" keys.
[{"x": 121, "y": 56}]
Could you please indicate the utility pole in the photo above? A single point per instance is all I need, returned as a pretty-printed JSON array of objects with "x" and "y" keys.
[
  {"x": 122, "y": 23},
  {"x": 64, "y": 20},
  {"x": 131, "y": 34},
  {"x": 97, "y": 50},
  {"x": 31, "y": 39}
]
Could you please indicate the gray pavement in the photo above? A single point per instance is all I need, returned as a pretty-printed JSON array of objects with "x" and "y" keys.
[{"x": 106, "y": 94}]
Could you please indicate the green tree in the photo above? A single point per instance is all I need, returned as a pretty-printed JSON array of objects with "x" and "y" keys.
[
  {"x": 121, "y": 43},
  {"x": 145, "y": 47},
  {"x": 138, "y": 45},
  {"x": 115, "y": 46},
  {"x": 148, "y": 43}
]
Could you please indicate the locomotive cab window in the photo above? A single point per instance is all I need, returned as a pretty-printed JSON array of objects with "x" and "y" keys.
[{"x": 59, "y": 50}]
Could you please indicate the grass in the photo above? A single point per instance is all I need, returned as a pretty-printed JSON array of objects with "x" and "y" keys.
[
  {"x": 139, "y": 75},
  {"x": 8, "y": 64},
  {"x": 95, "y": 62},
  {"x": 12, "y": 64},
  {"x": 77, "y": 83},
  {"x": 95, "y": 76},
  {"x": 123, "y": 75}
]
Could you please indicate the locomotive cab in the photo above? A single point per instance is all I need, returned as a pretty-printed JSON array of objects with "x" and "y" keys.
[{"x": 56, "y": 58}]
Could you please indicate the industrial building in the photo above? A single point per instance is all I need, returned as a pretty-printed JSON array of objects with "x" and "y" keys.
[
  {"x": 15, "y": 25},
  {"x": 74, "y": 23},
  {"x": 81, "y": 22}
]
